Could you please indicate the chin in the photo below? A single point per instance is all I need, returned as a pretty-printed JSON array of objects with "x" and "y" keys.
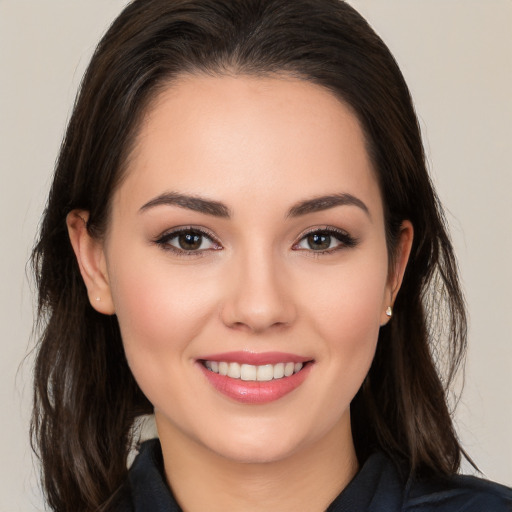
[
  {"x": 252, "y": 453},
  {"x": 259, "y": 444}
]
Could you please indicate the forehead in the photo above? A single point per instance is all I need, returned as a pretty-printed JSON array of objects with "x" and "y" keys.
[{"x": 272, "y": 139}]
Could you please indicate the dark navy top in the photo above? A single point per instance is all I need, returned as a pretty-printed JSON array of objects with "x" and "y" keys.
[{"x": 377, "y": 487}]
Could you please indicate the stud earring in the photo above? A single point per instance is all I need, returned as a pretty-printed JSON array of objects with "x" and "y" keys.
[
  {"x": 98, "y": 298},
  {"x": 389, "y": 311}
]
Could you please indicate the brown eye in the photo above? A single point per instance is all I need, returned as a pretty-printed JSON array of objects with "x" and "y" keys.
[
  {"x": 328, "y": 240},
  {"x": 319, "y": 241},
  {"x": 187, "y": 241},
  {"x": 190, "y": 241}
]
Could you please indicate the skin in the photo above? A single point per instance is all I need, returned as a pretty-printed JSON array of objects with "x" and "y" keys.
[{"x": 260, "y": 146}]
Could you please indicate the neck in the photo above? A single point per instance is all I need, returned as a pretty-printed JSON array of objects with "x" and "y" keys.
[{"x": 309, "y": 479}]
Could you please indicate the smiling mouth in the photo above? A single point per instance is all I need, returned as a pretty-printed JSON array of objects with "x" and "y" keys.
[{"x": 254, "y": 373}]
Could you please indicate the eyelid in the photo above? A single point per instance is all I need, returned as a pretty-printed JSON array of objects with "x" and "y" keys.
[
  {"x": 163, "y": 239},
  {"x": 346, "y": 240}
]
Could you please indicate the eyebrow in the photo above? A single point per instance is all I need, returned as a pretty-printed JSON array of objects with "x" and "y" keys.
[
  {"x": 218, "y": 209},
  {"x": 198, "y": 204},
  {"x": 318, "y": 204}
]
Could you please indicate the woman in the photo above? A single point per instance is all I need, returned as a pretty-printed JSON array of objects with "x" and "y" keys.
[{"x": 242, "y": 237}]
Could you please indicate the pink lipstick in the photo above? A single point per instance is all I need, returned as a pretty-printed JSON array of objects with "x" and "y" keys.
[{"x": 255, "y": 378}]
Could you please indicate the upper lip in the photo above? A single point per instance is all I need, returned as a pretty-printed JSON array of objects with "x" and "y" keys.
[{"x": 256, "y": 358}]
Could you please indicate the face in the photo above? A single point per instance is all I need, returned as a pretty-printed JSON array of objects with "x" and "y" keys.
[{"x": 248, "y": 239}]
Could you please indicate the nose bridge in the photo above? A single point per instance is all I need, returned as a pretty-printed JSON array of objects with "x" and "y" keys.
[{"x": 258, "y": 297}]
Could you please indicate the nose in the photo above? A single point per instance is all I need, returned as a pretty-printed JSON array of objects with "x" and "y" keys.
[{"x": 259, "y": 295}]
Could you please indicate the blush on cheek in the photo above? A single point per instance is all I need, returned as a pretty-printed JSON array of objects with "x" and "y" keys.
[
  {"x": 158, "y": 309},
  {"x": 348, "y": 307},
  {"x": 350, "y": 320}
]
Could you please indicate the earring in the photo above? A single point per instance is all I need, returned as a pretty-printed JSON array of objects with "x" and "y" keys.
[
  {"x": 98, "y": 298},
  {"x": 389, "y": 311}
]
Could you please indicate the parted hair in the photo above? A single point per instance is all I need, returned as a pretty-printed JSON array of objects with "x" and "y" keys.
[{"x": 85, "y": 397}]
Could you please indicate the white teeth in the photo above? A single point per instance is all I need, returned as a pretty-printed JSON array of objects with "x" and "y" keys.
[
  {"x": 234, "y": 370},
  {"x": 279, "y": 371},
  {"x": 249, "y": 372},
  {"x": 223, "y": 368},
  {"x": 288, "y": 369},
  {"x": 265, "y": 373}
]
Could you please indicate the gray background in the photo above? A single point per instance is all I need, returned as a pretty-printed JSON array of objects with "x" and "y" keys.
[{"x": 457, "y": 58}]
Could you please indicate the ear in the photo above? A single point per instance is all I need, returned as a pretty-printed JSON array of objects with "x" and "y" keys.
[
  {"x": 90, "y": 255},
  {"x": 396, "y": 274}
]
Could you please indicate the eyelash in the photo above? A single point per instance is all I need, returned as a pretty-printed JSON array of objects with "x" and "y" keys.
[
  {"x": 346, "y": 241},
  {"x": 163, "y": 241}
]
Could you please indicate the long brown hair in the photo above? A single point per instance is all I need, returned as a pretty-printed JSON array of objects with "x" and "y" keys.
[{"x": 86, "y": 399}]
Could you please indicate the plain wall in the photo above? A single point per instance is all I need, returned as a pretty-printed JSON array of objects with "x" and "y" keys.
[{"x": 457, "y": 58}]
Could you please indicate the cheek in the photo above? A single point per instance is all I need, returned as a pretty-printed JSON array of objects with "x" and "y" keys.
[
  {"x": 160, "y": 312},
  {"x": 350, "y": 297},
  {"x": 158, "y": 307},
  {"x": 345, "y": 308}
]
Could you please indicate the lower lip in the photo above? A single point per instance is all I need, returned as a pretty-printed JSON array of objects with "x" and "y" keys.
[{"x": 255, "y": 392}]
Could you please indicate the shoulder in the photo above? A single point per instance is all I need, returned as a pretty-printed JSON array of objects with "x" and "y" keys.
[
  {"x": 382, "y": 486},
  {"x": 457, "y": 493},
  {"x": 122, "y": 501},
  {"x": 146, "y": 489}
]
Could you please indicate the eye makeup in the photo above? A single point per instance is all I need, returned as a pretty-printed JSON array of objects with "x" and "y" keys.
[
  {"x": 325, "y": 240},
  {"x": 188, "y": 241},
  {"x": 196, "y": 241}
]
